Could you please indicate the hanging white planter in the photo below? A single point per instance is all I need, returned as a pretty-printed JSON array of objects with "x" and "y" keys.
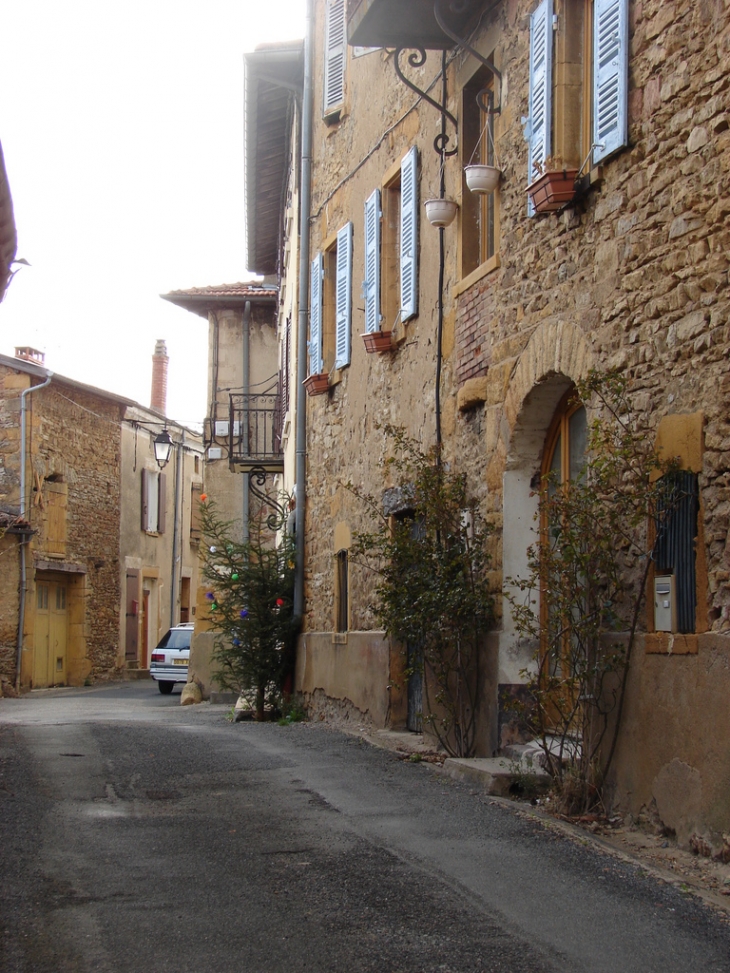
[
  {"x": 440, "y": 212},
  {"x": 481, "y": 178}
]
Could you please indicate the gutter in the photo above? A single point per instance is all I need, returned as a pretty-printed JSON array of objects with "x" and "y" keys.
[
  {"x": 23, "y": 544},
  {"x": 305, "y": 208},
  {"x": 246, "y": 382}
]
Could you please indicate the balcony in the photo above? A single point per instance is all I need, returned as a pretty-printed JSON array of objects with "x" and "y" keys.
[
  {"x": 407, "y": 23},
  {"x": 254, "y": 433}
]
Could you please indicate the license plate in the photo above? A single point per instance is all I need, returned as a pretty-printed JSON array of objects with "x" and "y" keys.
[{"x": 180, "y": 662}]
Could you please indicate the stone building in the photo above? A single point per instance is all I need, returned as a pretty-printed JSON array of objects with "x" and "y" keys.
[
  {"x": 244, "y": 422},
  {"x": 511, "y": 304},
  {"x": 76, "y": 465}
]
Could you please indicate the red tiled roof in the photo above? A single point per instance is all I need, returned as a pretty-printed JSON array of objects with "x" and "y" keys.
[{"x": 200, "y": 300}]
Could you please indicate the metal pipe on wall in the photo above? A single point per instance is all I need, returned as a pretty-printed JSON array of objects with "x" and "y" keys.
[
  {"x": 305, "y": 205},
  {"x": 23, "y": 569},
  {"x": 246, "y": 383}
]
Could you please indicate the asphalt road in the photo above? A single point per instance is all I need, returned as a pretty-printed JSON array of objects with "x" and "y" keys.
[{"x": 139, "y": 835}]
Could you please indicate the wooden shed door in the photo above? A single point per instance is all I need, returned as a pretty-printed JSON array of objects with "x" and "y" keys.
[{"x": 51, "y": 633}]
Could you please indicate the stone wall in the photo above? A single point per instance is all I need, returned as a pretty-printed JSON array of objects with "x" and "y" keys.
[
  {"x": 73, "y": 438},
  {"x": 634, "y": 277}
]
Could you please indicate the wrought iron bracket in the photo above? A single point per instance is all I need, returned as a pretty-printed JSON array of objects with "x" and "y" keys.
[
  {"x": 458, "y": 6},
  {"x": 416, "y": 59},
  {"x": 256, "y": 483}
]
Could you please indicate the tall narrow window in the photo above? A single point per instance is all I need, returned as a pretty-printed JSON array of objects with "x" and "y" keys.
[
  {"x": 676, "y": 535},
  {"x": 154, "y": 487},
  {"x": 478, "y": 210},
  {"x": 342, "y": 592},
  {"x": 371, "y": 284}
]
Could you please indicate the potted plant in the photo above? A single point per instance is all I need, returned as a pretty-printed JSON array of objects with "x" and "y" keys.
[
  {"x": 554, "y": 186},
  {"x": 482, "y": 178},
  {"x": 317, "y": 384},
  {"x": 377, "y": 342},
  {"x": 441, "y": 211}
]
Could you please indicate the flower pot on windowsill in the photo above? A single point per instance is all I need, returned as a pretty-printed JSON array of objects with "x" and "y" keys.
[
  {"x": 317, "y": 384},
  {"x": 377, "y": 342},
  {"x": 482, "y": 179},
  {"x": 440, "y": 212},
  {"x": 553, "y": 190}
]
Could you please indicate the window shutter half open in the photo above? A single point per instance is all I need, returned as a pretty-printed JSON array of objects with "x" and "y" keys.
[
  {"x": 541, "y": 85},
  {"x": 161, "y": 506},
  {"x": 334, "y": 57},
  {"x": 371, "y": 284},
  {"x": 409, "y": 235},
  {"x": 610, "y": 77},
  {"x": 143, "y": 503},
  {"x": 315, "y": 317},
  {"x": 343, "y": 310}
]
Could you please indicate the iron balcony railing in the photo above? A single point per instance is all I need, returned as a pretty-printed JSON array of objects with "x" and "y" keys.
[{"x": 254, "y": 431}]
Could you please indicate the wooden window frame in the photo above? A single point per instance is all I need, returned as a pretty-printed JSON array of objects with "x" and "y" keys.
[{"x": 479, "y": 213}]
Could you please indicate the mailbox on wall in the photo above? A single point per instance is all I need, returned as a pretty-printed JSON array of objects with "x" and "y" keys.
[{"x": 665, "y": 604}]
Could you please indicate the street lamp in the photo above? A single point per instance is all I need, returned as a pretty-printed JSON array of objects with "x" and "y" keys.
[{"x": 163, "y": 447}]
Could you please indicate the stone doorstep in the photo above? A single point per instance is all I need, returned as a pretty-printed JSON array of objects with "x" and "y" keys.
[
  {"x": 497, "y": 776},
  {"x": 131, "y": 674}
]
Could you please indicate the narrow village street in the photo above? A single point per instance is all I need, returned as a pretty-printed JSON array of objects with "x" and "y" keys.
[{"x": 139, "y": 835}]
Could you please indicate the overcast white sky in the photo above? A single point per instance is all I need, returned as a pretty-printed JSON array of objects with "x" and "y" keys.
[{"x": 121, "y": 122}]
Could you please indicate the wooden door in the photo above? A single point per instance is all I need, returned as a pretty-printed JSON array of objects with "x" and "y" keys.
[{"x": 51, "y": 634}]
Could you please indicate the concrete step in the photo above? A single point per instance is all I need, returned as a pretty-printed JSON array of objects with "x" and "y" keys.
[
  {"x": 132, "y": 674},
  {"x": 498, "y": 775}
]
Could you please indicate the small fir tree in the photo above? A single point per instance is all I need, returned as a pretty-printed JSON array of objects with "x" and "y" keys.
[{"x": 251, "y": 596}]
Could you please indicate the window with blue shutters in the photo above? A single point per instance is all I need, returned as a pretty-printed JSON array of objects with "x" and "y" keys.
[
  {"x": 541, "y": 82},
  {"x": 335, "y": 54},
  {"x": 610, "y": 77},
  {"x": 316, "y": 350},
  {"x": 409, "y": 235},
  {"x": 578, "y": 84},
  {"x": 371, "y": 283},
  {"x": 343, "y": 297}
]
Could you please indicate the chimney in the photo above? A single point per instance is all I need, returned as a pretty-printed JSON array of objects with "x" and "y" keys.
[
  {"x": 31, "y": 355},
  {"x": 158, "y": 398}
]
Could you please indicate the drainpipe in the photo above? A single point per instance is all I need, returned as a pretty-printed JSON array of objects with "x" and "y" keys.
[
  {"x": 246, "y": 383},
  {"x": 305, "y": 205},
  {"x": 23, "y": 572},
  {"x": 177, "y": 532}
]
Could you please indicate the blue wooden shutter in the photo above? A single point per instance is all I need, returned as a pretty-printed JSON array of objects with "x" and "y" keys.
[
  {"x": 315, "y": 316},
  {"x": 409, "y": 235},
  {"x": 541, "y": 87},
  {"x": 343, "y": 293},
  {"x": 610, "y": 77},
  {"x": 334, "y": 55},
  {"x": 371, "y": 284}
]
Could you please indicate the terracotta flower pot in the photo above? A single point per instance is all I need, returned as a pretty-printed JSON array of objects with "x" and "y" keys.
[
  {"x": 553, "y": 190},
  {"x": 482, "y": 179},
  {"x": 376, "y": 342},
  {"x": 440, "y": 212},
  {"x": 317, "y": 384}
]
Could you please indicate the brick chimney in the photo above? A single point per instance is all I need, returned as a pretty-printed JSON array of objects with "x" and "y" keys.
[
  {"x": 31, "y": 355},
  {"x": 158, "y": 398}
]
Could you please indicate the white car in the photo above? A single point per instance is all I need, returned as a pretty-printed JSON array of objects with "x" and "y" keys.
[{"x": 169, "y": 662}]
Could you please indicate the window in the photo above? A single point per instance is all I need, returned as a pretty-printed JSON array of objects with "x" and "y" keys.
[
  {"x": 55, "y": 497},
  {"x": 563, "y": 461},
  {"x": 478, "y": 210},
  {"x": 676, "y": 536},
  {"x": 153, "y": 501},
  {"x": 335, "y": 55},
  {"x": 342, "y": 610},
  {"x": 390, "y": 288},
  {"x": 331, "y": 305},
  {"x": 578, "y": 82},
  {"x": 196, "y": 492}
]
